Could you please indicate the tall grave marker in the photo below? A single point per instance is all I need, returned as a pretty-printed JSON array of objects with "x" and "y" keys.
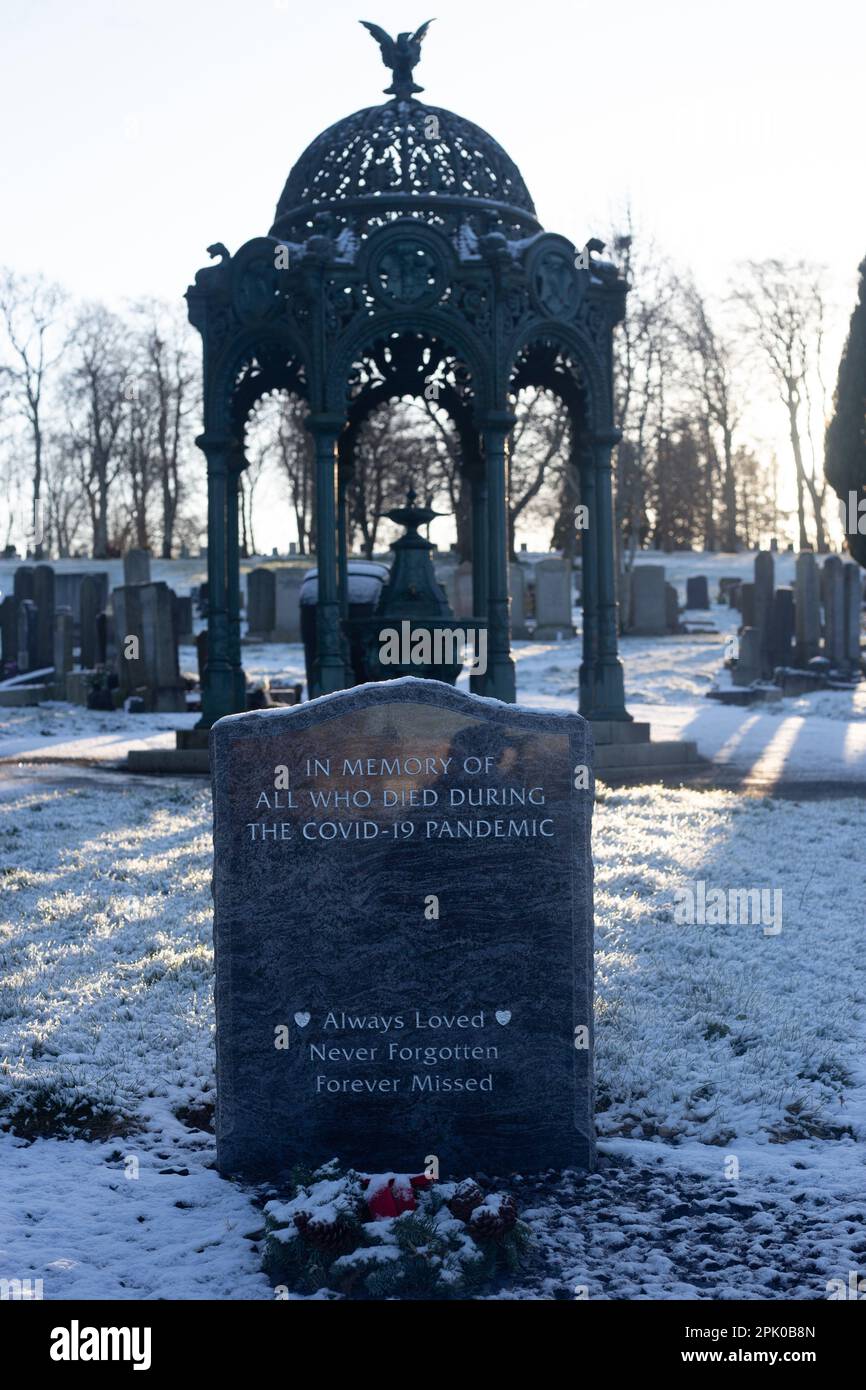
[{"x": 403, "y": 934}]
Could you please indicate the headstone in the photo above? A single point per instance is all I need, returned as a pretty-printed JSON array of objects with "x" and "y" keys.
[
  {"x": 183, "y": 622},
  {"x": 287, "y": 605},
  {"x": 553, "y": 599},
  {"x": 9, "y": 628},
  {"x": 734, "y": 595},
  {"x": 808, "y": 608},
  {"x": 371, "y": 1005},
  {"x": 833, "y": 594},
  {"x": 91, "y": 604},
  {"x": 748, "y": 608},
  {"x": 136, "y": 567},
  {"x": 63, "y": 634},
  {"x": 748, "y": 667},
  {"x": 648, "y": 613},
  {"x": 460, "y": 590},
  {"x": 853, "y": 600},
  {"x": 261, "y": 602},
  {"x": 28, "y": 618},
  {"x": 106, "y": 649},
  {"x": 43, "y": 597},
  {"x": 166, "y": 694},
  {"x": 764, "y": 585},
  {"x": 672, "y": 608},
  {"x": 68, "y": 589},
  {"x": 697, "y": 591},
  {"x": 517, "y": 586},
  {"x": 727, "y": 582},
  {"x": 22, "y": 584},
  {"x": 782, "y": 626},
  {"x": 129, "y": 638}
]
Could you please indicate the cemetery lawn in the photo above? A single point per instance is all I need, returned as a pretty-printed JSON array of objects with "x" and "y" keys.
[{"x": 714, "y": 1044}]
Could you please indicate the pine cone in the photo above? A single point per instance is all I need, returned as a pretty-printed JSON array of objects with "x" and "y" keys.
[
  {"x": 495, "y": 1217},
  {"x": 467, "y": 1197},
  {"x": 324, "y": 1233}
]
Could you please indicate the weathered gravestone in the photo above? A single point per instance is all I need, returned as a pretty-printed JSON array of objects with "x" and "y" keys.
[
  {"x": 808, "y": 607},
  {"x": 764, "y": 586},
  {"x": 553, "y": 598},
  {"x": 287, "y": 605},
  {"x": 261, "y": 613},
  {"x": 28, "y": 619},
  {"x": 780, "y": 637},
  {"x": 136, "y": 567},
  {"x": 9, "y": 628},
  {"x": 91, "y": 604},
  {"x": 833, "y": 594},
  {"x": 43, "y": 597},
  {"x": 672, "y": 608},
  {"x": 64, "y": 625},
  {"x": 697, "y": 592},
  {"x": 517, "y": 590},
  {"x": 853, "y": 603},
  {"x": 352, "y": 1020},
  {"x": 648, "y": 608}
]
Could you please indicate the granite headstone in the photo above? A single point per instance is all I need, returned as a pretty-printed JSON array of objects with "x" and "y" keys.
[{"x": 403, "y": 934}]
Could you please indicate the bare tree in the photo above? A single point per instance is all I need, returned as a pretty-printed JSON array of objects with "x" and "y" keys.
[
  {"x": 710, "y": 364},
  {"x": 99, "y": 390},
  {"x": 168, "y": 377},
  {"x": 783, "y": 310},
  {"x": 31, "y": 310}
]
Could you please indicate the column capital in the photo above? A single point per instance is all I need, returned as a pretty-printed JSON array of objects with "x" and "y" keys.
[{"x": 325, "y": 423}]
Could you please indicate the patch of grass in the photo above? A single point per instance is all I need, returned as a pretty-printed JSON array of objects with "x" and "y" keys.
[{"x": 61, "y": 1108}]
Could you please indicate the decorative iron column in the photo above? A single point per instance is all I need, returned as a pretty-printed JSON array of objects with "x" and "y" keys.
[
  {"x": 499, "y": 681},
  {"x": 589, "y": 584},
  {"x": 233, "y": 578},
  {"x": 342, "y": 542},
  {"x": 330, "y": 668},
  {"x": 609, "y": 694},
  {"x": 218, "y": 695},
  {"x": 480, "y": 559}
]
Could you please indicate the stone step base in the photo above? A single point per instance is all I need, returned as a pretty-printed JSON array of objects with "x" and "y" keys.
[
  {"x": 639, "y": 756},
  {"x": 180, "y": 761},
  {"x": 14, "y": 696},
  {"x": 629, "y": 731}
]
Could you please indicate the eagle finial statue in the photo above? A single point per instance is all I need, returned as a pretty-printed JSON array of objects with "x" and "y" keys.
[{"x": 401, "y": 55}]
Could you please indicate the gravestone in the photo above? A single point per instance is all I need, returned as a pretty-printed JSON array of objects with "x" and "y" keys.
[
  {"x": 727, "y": 582},
  {"x": 287, "y": 605},
  {"x": 553, "y": 599},
  {"x": 131, "y": 663},
  {"x": 808, "y": 607},
  {"x": 43, "y": 597},
  {"x": 517, "y": 589},
  {"x": 63, "y": 634},
  {"x": 9, "y": 628},
  {"x": 672, "y": 608},
  {"x": 69, "y": 587},
  {"x": 28, "y": 618},
  {"x": 22, "y": 584},
  {"x": 697, "y": 592},
  {"x": 764, "y": 585},
  {"x": 106, "y": 650},
  {"x": 460, "y": 590},
  {"x": 833, "y": 594},
  {"x": 853, "y": 600},
  {"x": 183, "y": 623},
  {"x": 165, "y": 690},
  {"x": 91, "y": 604},
  {"x": 403, "y": 934},
  {"x": 782, "y": 626},
  {"x": 261, "y": 606},
  {"x": 748, "y": 667},
  {"x": 136, "y": 567},
  {"x": 648, "y": 610},
  {"x": 748, "y": 608}
]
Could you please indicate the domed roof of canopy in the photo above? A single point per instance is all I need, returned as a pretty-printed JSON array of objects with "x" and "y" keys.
[{"x": 404, "y": 158}]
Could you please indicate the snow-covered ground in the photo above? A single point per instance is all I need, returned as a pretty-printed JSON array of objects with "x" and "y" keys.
[
  {"x": 714, "y": 1043},
  {"x": 730, "y": 1062}
]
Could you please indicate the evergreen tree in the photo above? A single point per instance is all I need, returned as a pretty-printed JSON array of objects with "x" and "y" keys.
[{"x": 845, "y": 445}]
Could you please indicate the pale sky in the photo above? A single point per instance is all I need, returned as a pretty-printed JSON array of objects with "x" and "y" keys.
[{"x": 137, "y": 133}]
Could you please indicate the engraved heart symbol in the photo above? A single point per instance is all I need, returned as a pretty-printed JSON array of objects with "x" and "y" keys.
[
  {"x": 503, "y": 1016},
  {"x": 302, "y": 1019}
]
